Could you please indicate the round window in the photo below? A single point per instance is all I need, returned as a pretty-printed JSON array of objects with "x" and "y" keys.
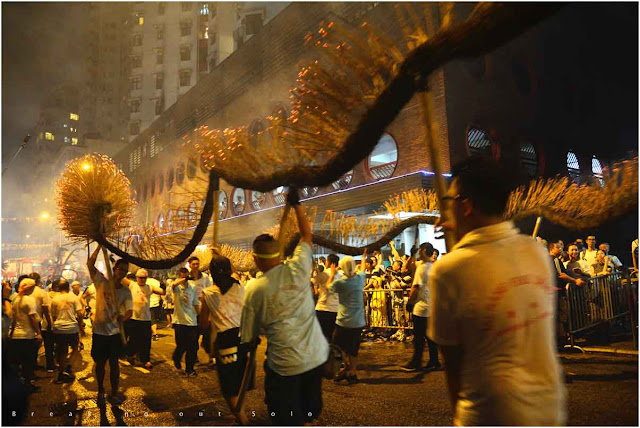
[
  {"x": 223, "y": 205},
  {"x": 343, "y": 182},
  {"x": 180, "y": 173},
  {"x": 170, "y": 178},
  {"x": 192, "y": 212},
  {"x": 192, "y": 167},
  {"x": 238, "y": 201},
  {"x": 278, "y": 195},
  {"x": 258, "y": 199},
  {"x": 383, "y": 159},
  {"x": 478, "y": 141},
  {"x": 160, "y": 221}
]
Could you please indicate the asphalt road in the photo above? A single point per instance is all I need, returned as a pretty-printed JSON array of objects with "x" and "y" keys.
[{"x": 603, "y": 391}]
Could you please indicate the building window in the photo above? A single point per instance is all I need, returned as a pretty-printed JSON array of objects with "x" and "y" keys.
[
  {"x": 185, "y": 53},
  {"x": 258, "y": 199},
  {"x": 137, "y": 40},
  {"x": 168, "y": 223},
  {"x": 160, "y": 221},
  {"x": 478, "y": 141},
  {"x": 67, "y": 139},
  {"x": 140, "y": 19},
  {"x": 185, "y": 28},
  {"x": 180, "y": 173},
  {"x": 74, "y": 141},
  {"x": 382, "y": 161},
  {"x": 159, "y": 80},
  {"x": 192, "y": 167},
  {"x": 186, "y": 6},
  {"x": 136, "y": 83},
  {"x": 159, "y": 56},
  {"x": 205, "y": 9},
  {"x": 573, "y": 167},
  {"x": 159, "y": 33},
  {"x": 136, "y": 61},
  {"x": 223, "y": 205},
  {"x": 343, "y": 182},
  {"x": 159, "y": 106},
  {"x": 596, "y": 170},
  {"x": 308, "y": 192},
  {"x": 73, "y": 116},
  {"x": 161, "y": 7},
  {"x": 278, "y": 195},
  {"x": 529, "y": 159},
  {"x": 135, "y": 105},
  {"x": 252, "y": 24},
  {"x": 49, "y": 136},
  {"x": 192, "y": 213},
  {"x": 185, "y": 77},
  {"x": 73, "y": 130},
  {"x": 238, "y": 201},
  {"x": 134, "y": 128}
]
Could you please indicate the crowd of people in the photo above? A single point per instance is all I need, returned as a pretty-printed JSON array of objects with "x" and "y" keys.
[{"x": 463, "y": 306}]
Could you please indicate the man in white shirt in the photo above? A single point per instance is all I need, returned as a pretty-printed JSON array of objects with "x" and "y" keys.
[
  {"x": 590, "y": 253},
  {"x": 419, "y": 297},
  {"x": 66, "y": 312},
  {"x": 328, "y": 302},
  {"x": 43, "y": 304},
  {"x": 106, "y": 344},
  {"x": 199, "y": 281},
  {"x": 279, "y": 305},
  {"x": 613, "y": 259},
  {"x": 185, "y": 322},
  {"x": 493, "y": 318},
  {"x": 140, "y": 322}
]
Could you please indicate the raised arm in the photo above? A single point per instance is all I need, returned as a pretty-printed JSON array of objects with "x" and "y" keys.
[
  {"x": 303, "y": 224},
  {"x": 91, "y": 262}
]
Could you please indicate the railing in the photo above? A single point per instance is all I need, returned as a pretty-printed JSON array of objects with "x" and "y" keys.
[
  {"x": 601, "y": 300},
  {"x": 387, "y": 308}
]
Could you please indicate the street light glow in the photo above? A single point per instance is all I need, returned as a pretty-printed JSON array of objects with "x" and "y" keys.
[
  {"x": 44, "y": 216},
  {"x": 86, "y": 166}
]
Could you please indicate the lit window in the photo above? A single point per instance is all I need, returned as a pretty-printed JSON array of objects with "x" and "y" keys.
[
  {"x": 66, "y": 139},
  {"x": 73, "y": 116},
  {"x": 140, "y": 20},
  {"x": 74, "y": 141},
  {"x": 573, "y": 167},
  {"x": 529, "y": 159},
  {"x": 73, "y": 129},
  {"x": 258, "y": 199},
  {"x": 237, "y": 201},
  {"x": 64, "y": 126},
  {"x": 478, "y": 141},
  {"x": 596, "y": 169},
  {"x": 278, "y": 195},
  {"x": 343, "y": 182},
  {"x": 383, "y": 159},
  {"x": 49, "y": 136},
  {"x": 223, "y": 204}
]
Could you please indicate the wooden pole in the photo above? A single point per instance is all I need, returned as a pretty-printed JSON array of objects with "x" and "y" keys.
[
  {"x": 537, "y": 226},
  {"x": 436, "y": 162}
]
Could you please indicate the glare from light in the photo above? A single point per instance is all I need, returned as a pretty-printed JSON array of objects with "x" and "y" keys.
[
  {"x": 86, "y": 166},
  {"x": 44, "y": 216}
]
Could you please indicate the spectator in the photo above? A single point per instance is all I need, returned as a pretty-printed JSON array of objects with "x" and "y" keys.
[
  {"x": 435, "y": 255},
  {"x": 563, "y": 280},
  {"x": 327, "y": 305},
  {"x": 576, "y": 267},
  {"x": 602, "y": 265},
  {"x": 589, "y": 254},
  {"x": 617, "y": 264}
]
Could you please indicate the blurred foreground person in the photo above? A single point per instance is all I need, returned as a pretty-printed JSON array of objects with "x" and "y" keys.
[
  {"x": 280, "y": 305},
  {"x": 106, "y": 341},
  {"x": 222, "y": 309},
  {"x": 25, "y": 332},
  {"x": 492, "y": 315}
]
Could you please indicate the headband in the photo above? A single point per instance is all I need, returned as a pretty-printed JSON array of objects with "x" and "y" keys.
[{"x": 267, "y": 256}]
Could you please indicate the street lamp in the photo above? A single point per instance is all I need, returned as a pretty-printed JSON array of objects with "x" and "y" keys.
[{"x": 44, "y": 216}]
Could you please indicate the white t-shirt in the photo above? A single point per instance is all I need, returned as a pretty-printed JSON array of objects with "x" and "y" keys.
[
  {"x": 106, "y": 322},
  {"x": 226, "y": 309},
  {"x": 184, "y": 300},
  {"x": 63, "y": 312},
  {"x": 90, "y": 294},
  {"x": 154, "y": 299},
  {"x": 23, "y": 307},
  {"x": 423, "y": 305},
  {"x": 141, "y": 300},
  {"x": 589, "y": 256},
  {"x": 42, "y": 299},
  {"x": 280, "y": 305},
  {"x": 327, "y": 300},
  {"x": 578, "y": 264},
  {"x": 200, "y": 284},
  {"x": 500, "y": 310}
]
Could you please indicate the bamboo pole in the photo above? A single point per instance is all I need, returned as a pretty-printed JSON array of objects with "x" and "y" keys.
[
  {"x": 436, "y": 163},
  {"x": 537, "y": 226}
]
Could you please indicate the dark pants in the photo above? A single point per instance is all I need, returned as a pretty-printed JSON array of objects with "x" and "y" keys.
[
  {"x": 186, "y": 342},
  {"x": 293, "y": 400},
  {"x": 139, "y": 341},
  {"x": 419, "y": 337},
  {"x": 23, "y": 351},
  {"x": 327, "y": 322},
  {"x": 49, "y": 343}
]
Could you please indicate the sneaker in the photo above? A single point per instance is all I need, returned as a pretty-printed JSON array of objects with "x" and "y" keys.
[
  {"x": 65, "y": 377},
  {"x": 192, "y": 373},
  {"x": 410, "y": 367},
  {"x": 340, "y": 376},
  {"x": 148, "y": 365},
  {"x": 432, "y": 367},
  {"x": 116, "y": 398},
  {"x": 177, "y": 364},
  {"x": 155, "y": 337}
]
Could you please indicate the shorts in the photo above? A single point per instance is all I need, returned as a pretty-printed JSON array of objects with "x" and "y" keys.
[
  {"x": 104, "y": 348},
  {"x": 293, "y": 400},
  {"x": 327, "y": 322},
  {"x": 66, "y": 340},
  {"x": 156, "y": 314},
  {"x": 348, "y": 339},
  {"x": 231, "y": 361}
]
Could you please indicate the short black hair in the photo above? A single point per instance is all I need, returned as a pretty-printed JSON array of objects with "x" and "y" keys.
[
  {"x": 121, "y": 261},
  {"x": 333, "y": 259},
  {"x": 20, "y": 278},
  {"x": 427, "y": 248},
  {"x": 192, "y": 258},
  {"x": 485, "y": 182},
  {"x": 63, "y": 285}
]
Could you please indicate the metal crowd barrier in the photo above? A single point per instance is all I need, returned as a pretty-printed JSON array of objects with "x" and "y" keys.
[
  {"x": 387, "y": 308},
  {"x": 601, "y": 300}
]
